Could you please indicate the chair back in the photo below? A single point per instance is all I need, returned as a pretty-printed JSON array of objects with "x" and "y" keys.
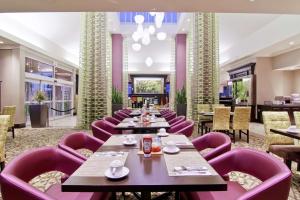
[
  {"x": 186, "y": 128},
  {"x": 4, "y": 123},
  {"x": 221, "y": 118},
  {"x": 218, "y": 142},
  {"x": 297, "y": 119},
  {"x": 102, "y": 130},
  {"x": 276, "y": 120},
  {"x": 275, "y": 176},
  {"x": 177, "y": 120},
  {"x": 112, "y": 120},
  {"x": 213, "y": 106},
  {"x": 170, "y": 116},
  {"x": 241, "y": 118},
  {"x": 11, "y": 111},
  {"x": 124, "y": 114},
  {"x": 203, "y": 108},
  {"x": 118, "y": 116},
  {"x": 16, "y": 175},
  {"x": 79, "y": 140}
]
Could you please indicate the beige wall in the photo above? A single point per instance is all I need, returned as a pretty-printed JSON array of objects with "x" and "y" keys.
[
  {"x": 289, "y": 59},
  {"x": 296, "y": 79},
  {"x": 12, "y": 76},
  {"x": 271, "y": 83}
]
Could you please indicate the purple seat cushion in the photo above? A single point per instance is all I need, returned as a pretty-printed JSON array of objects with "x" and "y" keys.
[
  {"x": 234, "y": 191},
  {"x": 55, "y": 192}
]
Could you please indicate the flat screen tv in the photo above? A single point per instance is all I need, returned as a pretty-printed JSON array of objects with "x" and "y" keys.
[{"x": 148, "y": 85}]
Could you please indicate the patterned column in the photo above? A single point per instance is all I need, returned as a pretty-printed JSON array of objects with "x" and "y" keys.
[
  {"x": 125, "y": 72},
  {"x": 93, "y": 69},
  {"x": 172, "y": 76},
  {"x": 205, "y": 78},
  {"x": 109, "y": 72}
]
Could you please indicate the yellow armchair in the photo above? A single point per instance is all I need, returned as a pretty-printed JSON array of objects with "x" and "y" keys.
[
  {"x": 11, "y": 111},
  {"x": 276, "y": 120},
  {"x": 4, "y": 123}
]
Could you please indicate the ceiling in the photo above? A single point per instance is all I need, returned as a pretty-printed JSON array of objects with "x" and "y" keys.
[{"x": 220, "y": 6}]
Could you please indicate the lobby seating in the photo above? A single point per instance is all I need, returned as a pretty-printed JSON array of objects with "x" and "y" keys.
[
  {"x": 241, "y": 122},
  {"x": 275, "y": 176},
  {"x": 219, "y": 143},
  {"x": 176, "y": 120},
  {"x": 276, "y": 120},
  {"x": 15, "y": 177},
  {"x": 103, "y": 130},
  {"x": 4, "y": 123},
  {"x": 112, "y": 120},
  {"x": 119, "y": 116},
  {"x": 79, "y": 140},
  {"x": 11, "y": 111},
  {"x": 186, "y": 128},
  {"x": 123, "y": 113}
]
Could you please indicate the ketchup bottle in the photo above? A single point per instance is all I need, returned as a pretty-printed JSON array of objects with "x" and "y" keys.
[{"x": 147, "y": 145}]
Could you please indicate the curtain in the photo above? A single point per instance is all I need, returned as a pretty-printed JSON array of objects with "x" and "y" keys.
[{"x": 93, "y": 79}]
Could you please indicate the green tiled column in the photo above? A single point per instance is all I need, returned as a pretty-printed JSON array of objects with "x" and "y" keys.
[{"x": 93, "y": 73}]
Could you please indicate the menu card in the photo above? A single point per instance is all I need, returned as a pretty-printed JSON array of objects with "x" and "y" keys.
[
  {"x": 181, "y": 141},
  {"x": 99, "y": 162}
]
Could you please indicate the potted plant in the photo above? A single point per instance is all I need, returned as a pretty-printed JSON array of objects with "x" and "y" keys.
[
  {"x": 181, "y": 101},
  {"x": 117, "y": 100},
  {"x": 241, "y": 92},
  {"x": 38, "y": 111}
]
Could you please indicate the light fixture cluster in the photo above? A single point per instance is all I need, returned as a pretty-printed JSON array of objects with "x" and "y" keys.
[{"x": 143, "y": 35}]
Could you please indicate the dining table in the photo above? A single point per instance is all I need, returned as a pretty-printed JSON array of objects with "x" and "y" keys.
[
  {"x": 153, "y": 174},
  {"x": 287, "y": 132},
  {"x": 138, "y": 112},
  {"x": 136, "y": 125}
]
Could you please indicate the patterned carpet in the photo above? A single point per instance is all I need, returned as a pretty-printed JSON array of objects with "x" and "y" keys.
[{"x": 32, "y": 138}]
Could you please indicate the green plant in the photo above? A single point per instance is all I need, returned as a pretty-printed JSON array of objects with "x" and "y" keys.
[
  {"x": 40, "y": 96},
  {"x": 116, "y": 97},
  {"x": 241, "y": 91},
  {"x": 181, "y": 96}
]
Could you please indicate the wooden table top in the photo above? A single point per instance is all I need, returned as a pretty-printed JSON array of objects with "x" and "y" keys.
[
  {"x": 138, "y": 113},
  {"x": 146, "y": 175},
  {"x": 285, "y": 132}
]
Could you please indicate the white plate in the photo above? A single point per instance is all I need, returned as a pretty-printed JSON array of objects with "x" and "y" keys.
[
  {"x": 133, "y": 142},
  {"x": 171, "y": 151},
  {"x": 124, "y": 173},
  {"x": 163, "y": 134}
]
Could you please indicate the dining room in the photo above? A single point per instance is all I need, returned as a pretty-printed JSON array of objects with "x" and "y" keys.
[{"x": 153, "y": 101}]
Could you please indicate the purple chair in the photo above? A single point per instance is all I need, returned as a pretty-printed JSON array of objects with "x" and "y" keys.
[
  {"x": 112, "y": 120},
  {"x": 103, "y": 129},
  {"x": 167, "y": 114},
  {"x": 80, "y": 140},
  {"x": 118, "y": 116},
  {"x": 16, "y": 175},
  {"x": 176, "y": 120},
  {"x": 220, "y": 143},
  {"x": 127, "y": 111},
  {"x": 170, "y": 116},
  {"x": 164, "y": 111},
  {"x": 185, "y": 128},
  {"x": 123, "y": 114},
  {"x": 274, "y": 174}
]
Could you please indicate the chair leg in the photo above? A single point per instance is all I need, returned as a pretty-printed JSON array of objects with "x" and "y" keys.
[
  {"x": 240, "y": 132},
  {"x": 298, "y": 167},
  {"x": 233, "y": 135},
  {"x": 247, "y": 136},
  {"x": 13, "y": 132},
  {"x": 2, "y": 165},
  {"x": 288, "y": 163}
]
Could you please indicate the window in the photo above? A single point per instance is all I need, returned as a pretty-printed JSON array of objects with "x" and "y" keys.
[
  {"x": 39, "y": 68},
  {"x": 63, "y": 74}
]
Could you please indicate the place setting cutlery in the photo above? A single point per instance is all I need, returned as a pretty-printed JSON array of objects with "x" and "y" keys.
[
  {"x": 187, "y": 170},
  {"x": 110, "y": 153}
]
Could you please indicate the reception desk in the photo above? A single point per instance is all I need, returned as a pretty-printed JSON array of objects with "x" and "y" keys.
[{"x": 290, "y": 108}]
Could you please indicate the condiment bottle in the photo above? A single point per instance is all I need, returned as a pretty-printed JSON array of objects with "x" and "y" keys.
[{"x": 147, "y": 145}]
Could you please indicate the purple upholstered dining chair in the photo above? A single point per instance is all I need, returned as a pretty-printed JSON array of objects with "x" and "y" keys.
[
  {"x": 16, "y": 175},
  {"x": 112, "y": 120},
  {"x": 274, "y": 174},
  {"x": 219, "y": 142},
  {"x": 170, "y": 116},
  {"x": 167, "y": 113},
  {"x": 176, "y": 120},
  {"x": 119, "y": 116},
  {"x": 123, "y": 114},
  {"x": 79, "y": 140},
  {"x": 127, "y": 111},
  {"x": 185, "y": 128},
  {"x": 103, "y": 129}
]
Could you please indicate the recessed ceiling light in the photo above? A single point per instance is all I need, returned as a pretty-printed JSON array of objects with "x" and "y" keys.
[
  {"x": 291, "y": 43},
  {"x": 1, "y": 42}
]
